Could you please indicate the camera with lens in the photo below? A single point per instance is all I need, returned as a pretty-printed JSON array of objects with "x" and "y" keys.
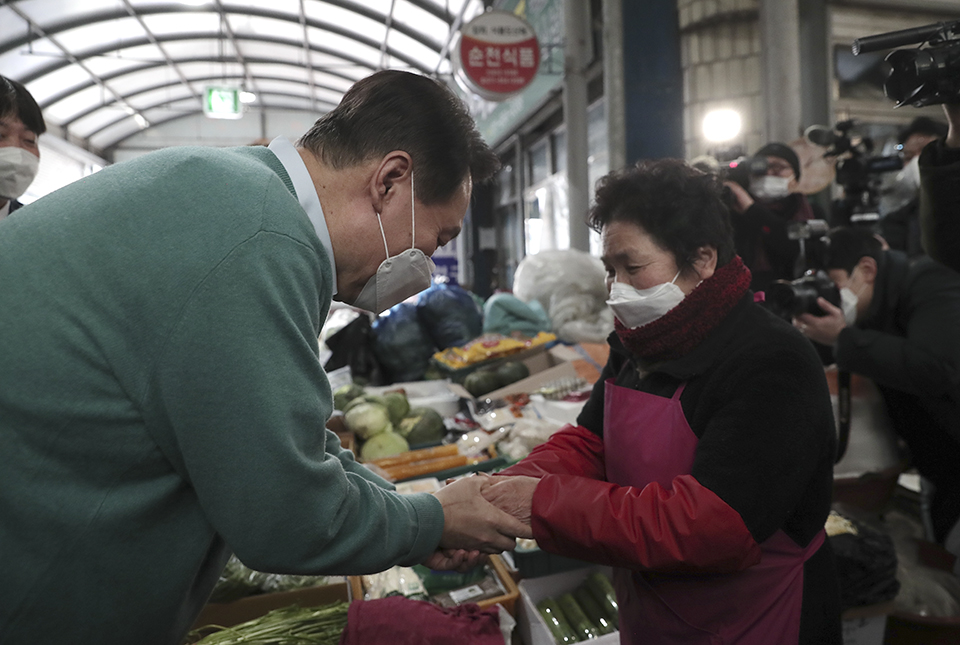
[
  {"x": 741, "y": 170},
  {"x": 858, "y": 172},
  {"x": 789, "y": 299},
  {"x": 927, "y": 75}
]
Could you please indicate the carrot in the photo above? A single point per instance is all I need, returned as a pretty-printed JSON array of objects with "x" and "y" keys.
[
  {"x": 417, "y": 468},
  {"x": 423, "y": 454}
]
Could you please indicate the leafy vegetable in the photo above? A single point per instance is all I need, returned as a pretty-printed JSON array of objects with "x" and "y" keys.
[
  {"x": 286, "y": 626},
  {"x": 367, "y": 419},
  {"x": 385, "y": 444}
]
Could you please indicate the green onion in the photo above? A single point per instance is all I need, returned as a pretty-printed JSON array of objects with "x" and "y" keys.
[{"x": 287, "y": 626}]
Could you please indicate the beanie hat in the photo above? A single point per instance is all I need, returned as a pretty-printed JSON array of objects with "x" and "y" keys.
[
  {"x": 923, "y": 125},
  {"x": 783, "y": 151}
]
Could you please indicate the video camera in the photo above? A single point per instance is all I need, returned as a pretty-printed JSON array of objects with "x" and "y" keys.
[
  {"x": 921, "y": 76},
  {"x": 788, "y": 299},
  {"x": 858, "y": 173}
]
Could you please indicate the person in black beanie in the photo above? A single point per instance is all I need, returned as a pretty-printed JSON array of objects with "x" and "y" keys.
[{"x": 762, "y": 214}]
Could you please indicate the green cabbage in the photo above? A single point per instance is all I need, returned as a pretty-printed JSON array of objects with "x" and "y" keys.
[
  {"x": 367, "y": 419},
  {"x": 385, "y": 444}
]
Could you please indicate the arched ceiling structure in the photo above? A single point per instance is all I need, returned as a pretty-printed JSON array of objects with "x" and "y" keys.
[{"x": 106, "y": 70}]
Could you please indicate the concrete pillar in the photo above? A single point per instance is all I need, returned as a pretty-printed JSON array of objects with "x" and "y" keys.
[
  {"x": 643, "y": 80},
  {"x": 780, "y": 57},
  {"x": 576, "y": 56}
]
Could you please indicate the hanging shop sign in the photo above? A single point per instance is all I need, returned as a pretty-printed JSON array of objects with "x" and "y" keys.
[{"x": 498, "y": 55}]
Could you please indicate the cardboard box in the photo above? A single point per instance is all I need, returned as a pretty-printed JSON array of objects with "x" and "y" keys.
[
  {"x": 533, "y": 631},
  {"x": 227, "y": 614},
  {"x": 545, "y": 366}
]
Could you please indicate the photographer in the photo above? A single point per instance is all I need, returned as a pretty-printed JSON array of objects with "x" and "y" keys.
[
  {"x": 762, "y": 215},
  {"x": 897, "y": 325},
  {"x": 940, "y": 193}
]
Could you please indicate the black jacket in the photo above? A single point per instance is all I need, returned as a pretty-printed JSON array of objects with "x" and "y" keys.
[
  {"x": 940, "y": 203},
  {"x": 758, "y": 401},
  {"x": 908, "y": 343}
]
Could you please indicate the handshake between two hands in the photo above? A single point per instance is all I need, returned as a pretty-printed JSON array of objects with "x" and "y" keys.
[{"x": 482, "y": 514}]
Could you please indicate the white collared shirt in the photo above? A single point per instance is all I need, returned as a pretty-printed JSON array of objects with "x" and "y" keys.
[{"x": 306, "y": 194}]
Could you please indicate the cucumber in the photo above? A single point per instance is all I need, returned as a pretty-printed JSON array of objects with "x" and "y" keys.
[
  {"x": 556, "y": 621},
  {"x": 600, "y": 586},
  {"x": 598, "y": 617},
  {"x": 577, "y": 619}
]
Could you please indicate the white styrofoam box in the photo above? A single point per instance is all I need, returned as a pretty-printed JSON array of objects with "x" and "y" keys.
[
  {"x": 428, "y": 394},
  {"x": 864, "y": 631},
  {"x": 533, "y": 631}
]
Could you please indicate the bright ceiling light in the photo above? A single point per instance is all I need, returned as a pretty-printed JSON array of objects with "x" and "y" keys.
[
  {"x": 141, "y": 120},
  {"x": 721, "y": 125},
  {"x": 247, "y": 97}
]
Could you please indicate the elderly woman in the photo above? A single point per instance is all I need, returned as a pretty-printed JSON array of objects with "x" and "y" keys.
[{"x": 701, "y": 466}]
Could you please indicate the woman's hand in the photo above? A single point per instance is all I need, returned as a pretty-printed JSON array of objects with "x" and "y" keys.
[
  {"x": 511, "y": 494},
  {"x": 454, "y": 560}
]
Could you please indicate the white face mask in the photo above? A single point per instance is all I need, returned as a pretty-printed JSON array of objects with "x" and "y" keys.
[
  {"x": 18, "y": 168},
  {"x": 637, "y": 307},
  {"x": 398, "y": 277},
  {"x": 769, "y": 187},
  {"x": 848, "y": 304}
]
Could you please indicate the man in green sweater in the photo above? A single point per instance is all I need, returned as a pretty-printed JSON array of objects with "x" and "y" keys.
[{"x": 161, "y": 399}]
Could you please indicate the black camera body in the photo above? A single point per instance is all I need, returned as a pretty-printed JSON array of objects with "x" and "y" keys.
[
  {"x": 859, "y": 173},
  {"x": 921, "y": 76},
  {"x": 789, "y": 299}
]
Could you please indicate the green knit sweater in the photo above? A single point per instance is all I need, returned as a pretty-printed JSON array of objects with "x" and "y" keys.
[{"x": 162, "y": 403}]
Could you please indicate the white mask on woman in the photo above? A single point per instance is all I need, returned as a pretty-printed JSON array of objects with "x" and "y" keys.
[
  {"x": 769, "y": 187},
  {"x": 18, "y": 168},
  {"x": 637, "y": 307},
  {"x": 398, "y": 277}
]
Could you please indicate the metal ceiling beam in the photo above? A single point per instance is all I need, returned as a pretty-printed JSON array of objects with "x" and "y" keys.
[
  {"x": 225, "y": 24},
  {"x": 34, "y": 28},
  {"x": 159, "y": 46},
  {"x": 306, "y": 49},
  {"x": 454, "y": 28},
  {"x": 60, "y": 96},
  {"x": 161, "y": 105},
  {"x": 186, "y": 113},
  {"x": 259, "y": 12},
  {"x": 159, "y": 86},
  {"x": 386, "y": 34},
  {"x": 106, "y": 49}
]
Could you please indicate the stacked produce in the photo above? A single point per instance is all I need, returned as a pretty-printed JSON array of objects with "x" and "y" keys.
[
  {"x": 489, "y": 379},
  {"x": 286, "y": 626},
  {"x": 239, "y": 581},
  {"x": 385, "y": 425},
  {"x": 423, "y": 462},
  {"x": 589, "y": 612}
]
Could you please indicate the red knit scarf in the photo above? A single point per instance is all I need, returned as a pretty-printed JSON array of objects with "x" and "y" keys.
[{"x": 682, "y": 328}]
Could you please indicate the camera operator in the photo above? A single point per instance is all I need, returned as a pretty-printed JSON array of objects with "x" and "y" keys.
[
  {"x": 761, "y": 217},
  {"x": 897, "y": 325},
  {"x": 940, "y": 193},
  {"x": 900, "y": 200}
]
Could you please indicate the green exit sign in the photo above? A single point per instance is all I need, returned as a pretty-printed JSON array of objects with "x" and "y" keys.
[{"x": 222, "y": 103}]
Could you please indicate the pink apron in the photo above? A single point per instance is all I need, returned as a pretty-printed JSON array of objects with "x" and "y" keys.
[{"x": 647, "y": 439}]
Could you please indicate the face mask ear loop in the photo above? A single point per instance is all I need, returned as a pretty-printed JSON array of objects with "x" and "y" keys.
[
  {"x": 413, "y": 215},
  {"x": 386, "y": 249}
]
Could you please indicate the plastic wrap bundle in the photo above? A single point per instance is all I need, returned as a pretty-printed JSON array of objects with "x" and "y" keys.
[
  {"x": 239, "y": 581},
  {"x": 401, "y": 344},
  {"x": 504, "y": 313},
  {"x": 449, "y": 314},
  {"x": 570, "y": 286},
  {"x": 866, "y": 561}
]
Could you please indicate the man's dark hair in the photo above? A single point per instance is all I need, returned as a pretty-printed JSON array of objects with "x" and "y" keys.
[
  {"x": 679, "y": 206},
  {"x": 847, "y": 245},
  {"x": 923, "y": 125},
  {"x": 394, "y": 110},
  {"x": 16, "y": 101}
]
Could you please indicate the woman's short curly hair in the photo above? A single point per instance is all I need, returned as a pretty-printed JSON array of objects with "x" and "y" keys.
[{"x": 678, "y": 205}]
